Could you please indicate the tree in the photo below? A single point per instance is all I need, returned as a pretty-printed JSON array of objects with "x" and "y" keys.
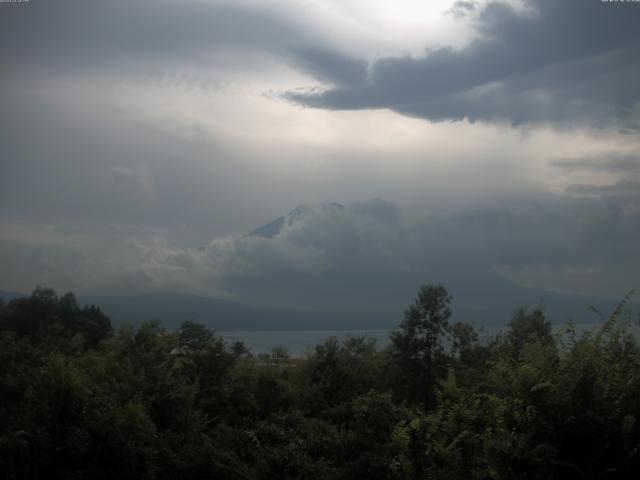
[
  {"x": 465, "y": 338},
  {"x": 418, "y": 343},
  {"x": 528, "y": 327},
  {"x": 194, "y": 337}
]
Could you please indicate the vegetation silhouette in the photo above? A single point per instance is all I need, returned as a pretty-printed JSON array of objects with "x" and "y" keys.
[{"x": 79, "y": 400}]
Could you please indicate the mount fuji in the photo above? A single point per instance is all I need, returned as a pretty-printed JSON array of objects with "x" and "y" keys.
[
  {"x": 326, "y": 266},
  {"x": 296, "y": 215}
]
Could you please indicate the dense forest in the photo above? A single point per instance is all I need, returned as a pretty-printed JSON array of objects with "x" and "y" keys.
[{"x": 80, "y": 400}]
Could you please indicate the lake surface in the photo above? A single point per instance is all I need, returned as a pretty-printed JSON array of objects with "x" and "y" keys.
[{"x": 298, "y": 342}]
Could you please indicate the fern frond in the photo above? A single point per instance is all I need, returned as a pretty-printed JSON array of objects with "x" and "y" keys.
[
  {"x": 595, "y": 311},
  {"x": 618, "y": 310}
]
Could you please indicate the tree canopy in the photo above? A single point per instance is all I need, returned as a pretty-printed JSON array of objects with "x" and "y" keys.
[
  {"x": 80, "y": 400},
  {"x": 418, "y": 343}
]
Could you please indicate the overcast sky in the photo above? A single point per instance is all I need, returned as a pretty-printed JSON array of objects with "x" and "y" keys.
[{"x": 141, "y": 140}]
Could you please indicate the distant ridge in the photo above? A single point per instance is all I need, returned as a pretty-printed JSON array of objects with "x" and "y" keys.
[
  {"x": 225, "y": 315},
  {"x": 173, "y": 309},
  {"x": 8, "y": 296}
]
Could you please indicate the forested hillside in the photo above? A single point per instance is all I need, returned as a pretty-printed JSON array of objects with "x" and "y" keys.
[{"x": 79, "y": 400}]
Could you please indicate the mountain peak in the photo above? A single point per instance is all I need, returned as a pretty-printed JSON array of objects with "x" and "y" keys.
[{"x": 302, "y": 211}]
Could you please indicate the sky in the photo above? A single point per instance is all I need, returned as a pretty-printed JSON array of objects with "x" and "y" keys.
[{"x": 140, "y": 141}]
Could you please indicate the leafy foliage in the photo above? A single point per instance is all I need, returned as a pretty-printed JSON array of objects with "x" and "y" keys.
[
  {"x": 418, "y": 344},
  {"x": 78, "y": 400}
]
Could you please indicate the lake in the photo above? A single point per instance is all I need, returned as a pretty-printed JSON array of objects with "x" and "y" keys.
[{"x": 298, "y": 342}]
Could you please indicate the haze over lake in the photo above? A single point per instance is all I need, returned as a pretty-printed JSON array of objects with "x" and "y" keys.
[{"x": 303, "y": 342}]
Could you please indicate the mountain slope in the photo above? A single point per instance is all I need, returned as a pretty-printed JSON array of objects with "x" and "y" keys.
[
  {"x": 172, "y": 309},
  {"x": 224, "y": 315},
  {"x": 299, "y": 213}
]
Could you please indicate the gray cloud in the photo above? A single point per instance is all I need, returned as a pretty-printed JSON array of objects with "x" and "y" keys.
[
  {"x": 462, "y": 8},
  {"x": 97, "y": 34},
  {"x": 612, "y": 163},
  {"x": 571, "y": 62},
  {"x": 624, "y": 168},
  {"x": 368, "y": 255},
  {"x": 71, "y": 159},
  {"x": 379, "y": 210},
  {"x": 623, "y": 188}
]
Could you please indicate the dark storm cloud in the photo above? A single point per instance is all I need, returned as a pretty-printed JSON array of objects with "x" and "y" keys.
[
  {"x": 569, "y": 62},
  {"x": 331, "y": 67}
]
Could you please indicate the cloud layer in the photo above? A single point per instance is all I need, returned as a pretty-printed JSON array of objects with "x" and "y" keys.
[
  {"x": 564, "y": 63},
  {"x": 134, "y": 132},
  {"x": 366, "y": 256}
]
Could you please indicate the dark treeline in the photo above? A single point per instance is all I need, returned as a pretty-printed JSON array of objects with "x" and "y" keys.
[{"x": 79, "y": 400}]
